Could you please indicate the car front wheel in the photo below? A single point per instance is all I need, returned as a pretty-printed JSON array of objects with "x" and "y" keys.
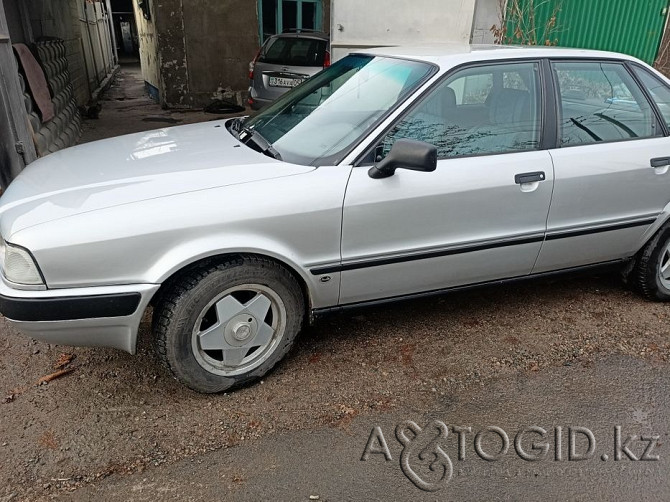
[{"x": 224, "y": 325}]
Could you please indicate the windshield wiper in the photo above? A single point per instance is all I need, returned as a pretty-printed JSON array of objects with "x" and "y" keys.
[
  {"x": 263, "y": 145},
  {"x": 246, "y": 134},
  {"x": 237, "y": 126}
]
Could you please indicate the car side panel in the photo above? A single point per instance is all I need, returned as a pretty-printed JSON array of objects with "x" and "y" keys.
[
  {"x": 295, "y": 219},
  {"x": 603, "y": 186},
  {"x": 467, "y": 222}
]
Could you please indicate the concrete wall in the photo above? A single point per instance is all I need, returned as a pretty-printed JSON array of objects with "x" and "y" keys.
[
  {"x": 196, "y": 51},
  {"x": 203, "y": 49},
  {"x": 221, "y": 39},
  {"x": 171, "y": 52},
  {"x": 146, "y": 31},
  {"x": 357, "y": 24},
  {"x": 326, "y": 16},
  {"x": 487, "y": 14},
  {"x": 14, "y": 22}
]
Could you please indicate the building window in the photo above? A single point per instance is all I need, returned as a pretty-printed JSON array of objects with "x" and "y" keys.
[{"x": 277, "y": 16}]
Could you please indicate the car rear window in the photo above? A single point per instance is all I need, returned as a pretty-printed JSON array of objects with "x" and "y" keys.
[{"x": 294, "y": 52}]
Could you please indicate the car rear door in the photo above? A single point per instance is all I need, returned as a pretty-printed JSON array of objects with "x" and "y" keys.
[
  {"x": 480, "y": 216},
  {"x": 609, "y": 187}
]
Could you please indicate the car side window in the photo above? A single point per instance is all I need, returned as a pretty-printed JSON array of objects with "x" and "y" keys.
[
  {"x": 482, "y": 110},
  {"x": 599, "y": 102},
  {"x": 660, "y": 92}
]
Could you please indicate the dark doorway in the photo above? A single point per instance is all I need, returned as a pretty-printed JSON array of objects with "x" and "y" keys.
[{"x": 125, "y": 29}]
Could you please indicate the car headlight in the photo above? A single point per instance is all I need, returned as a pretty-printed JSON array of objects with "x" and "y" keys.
[{"x": 18, "y": 265}]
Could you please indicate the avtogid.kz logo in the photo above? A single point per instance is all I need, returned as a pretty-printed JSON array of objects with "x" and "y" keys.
[{"x": 426, "y": 463}]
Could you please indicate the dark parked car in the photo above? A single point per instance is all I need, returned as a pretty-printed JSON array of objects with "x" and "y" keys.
[{"x": 285, "y": 61}]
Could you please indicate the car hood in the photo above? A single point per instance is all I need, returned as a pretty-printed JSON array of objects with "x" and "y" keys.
[{"x": 133, "y": 168}]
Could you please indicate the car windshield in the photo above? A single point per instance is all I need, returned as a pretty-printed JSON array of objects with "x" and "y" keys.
[{"x": 317, "y": 121}]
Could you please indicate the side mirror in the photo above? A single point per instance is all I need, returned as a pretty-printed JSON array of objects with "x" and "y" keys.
[{"x": 406, "y": 154}]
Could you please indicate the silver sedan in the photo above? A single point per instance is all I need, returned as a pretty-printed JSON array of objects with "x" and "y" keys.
[{"x": 394, "y": 173}]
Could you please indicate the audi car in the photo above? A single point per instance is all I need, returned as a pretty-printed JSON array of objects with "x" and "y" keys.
[{"x": 395, "y": 173}]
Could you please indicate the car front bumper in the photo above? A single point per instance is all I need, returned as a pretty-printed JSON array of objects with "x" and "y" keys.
[{"x": 104, "y": 316}]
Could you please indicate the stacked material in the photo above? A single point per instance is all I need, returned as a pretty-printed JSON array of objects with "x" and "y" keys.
[{"x": 61, "y": 128}]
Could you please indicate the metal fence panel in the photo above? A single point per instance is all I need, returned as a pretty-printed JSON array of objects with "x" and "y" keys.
[{"x": 630, "y": 26}]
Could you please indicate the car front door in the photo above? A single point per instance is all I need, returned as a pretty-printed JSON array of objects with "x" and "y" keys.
[
  {"x": 480, "y": 216},
  {"x": 610, "y": 186}
]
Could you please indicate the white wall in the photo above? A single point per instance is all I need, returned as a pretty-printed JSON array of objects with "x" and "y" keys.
[
  {"x": 487, "y": 14},
  {"x": 146, "y": 31},
  {"x": 372, "y": 23}
]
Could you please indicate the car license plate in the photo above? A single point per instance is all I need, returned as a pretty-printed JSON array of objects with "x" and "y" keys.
[{"x": 284, "y": 82}]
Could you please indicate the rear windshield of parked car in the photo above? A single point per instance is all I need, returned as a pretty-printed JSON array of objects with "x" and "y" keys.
[{"x": 294, "y": 52}]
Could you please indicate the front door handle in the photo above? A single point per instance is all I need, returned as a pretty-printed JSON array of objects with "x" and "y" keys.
[
  {"x": 660, "y": 165},
  {"x": 660, "y": 162},
  {"x": 521, "y": 179}
]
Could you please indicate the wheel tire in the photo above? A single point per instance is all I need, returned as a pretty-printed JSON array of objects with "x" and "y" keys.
[
  {"x": 647, "y": 274},
  {"x": 196, "y": 299},
  {"x": 627, "y": 274}
]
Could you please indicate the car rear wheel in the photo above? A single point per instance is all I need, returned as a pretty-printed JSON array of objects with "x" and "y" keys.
[
  {"x": 652, "y": 269},
  {"x": 225, "y": 325}
]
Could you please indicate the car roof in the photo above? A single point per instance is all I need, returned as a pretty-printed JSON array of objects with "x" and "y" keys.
[
  {"x": 451, "y": 54},
  {"x": 302, "y": 34}
]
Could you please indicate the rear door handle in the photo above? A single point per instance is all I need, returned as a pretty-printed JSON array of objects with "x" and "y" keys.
[
  {"x": 522, "y": 178},
  {"x": 660, "y": 162}
]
